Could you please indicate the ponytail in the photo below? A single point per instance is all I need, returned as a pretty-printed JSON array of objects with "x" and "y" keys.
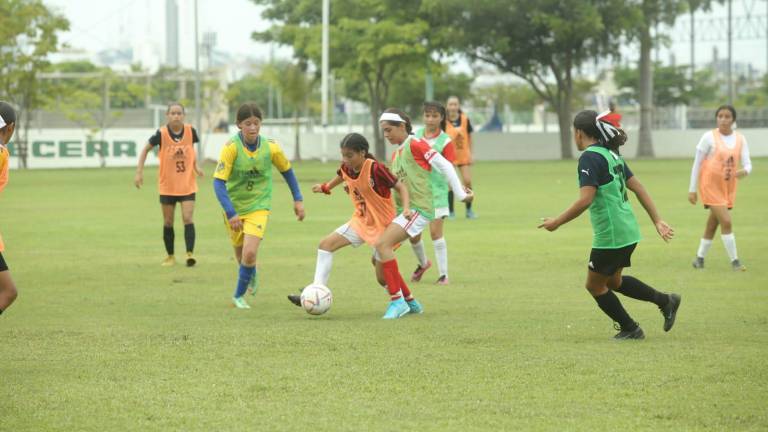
[{"x": 593, "y": 125}]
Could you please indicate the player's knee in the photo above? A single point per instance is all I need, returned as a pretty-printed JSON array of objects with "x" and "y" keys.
[
  {"x": 595, "y": 291},
  {"x": 249, "y": 259}
]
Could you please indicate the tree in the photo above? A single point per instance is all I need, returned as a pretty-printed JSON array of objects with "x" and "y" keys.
[
  {"x": 29, "y": 31},
  {"x": 370, "y": 41},
  {"x": 671, "y": 85},
  {"x": 408, "y": 94},
  {"x": 650, "y": 14},
  {"x": 541, "y": 42}
]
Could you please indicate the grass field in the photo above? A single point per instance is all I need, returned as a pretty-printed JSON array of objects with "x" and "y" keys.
[{"x": 103, "y": 338}]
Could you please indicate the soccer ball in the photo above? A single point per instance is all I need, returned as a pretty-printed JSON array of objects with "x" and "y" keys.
[{"x": 316, "y": 299}]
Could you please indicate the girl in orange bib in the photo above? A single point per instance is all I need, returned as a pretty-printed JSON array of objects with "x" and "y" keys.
[
  {"x": 8, "y": 291},
  {"x": 722, "y": 157},
  {"x": 369, "y": 185},
  {"x": 176, "y": 178},
  {"x": 459, "y": 128}
]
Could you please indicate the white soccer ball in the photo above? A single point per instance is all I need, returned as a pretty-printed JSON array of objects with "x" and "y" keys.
[{"x": 316, "y": 299}]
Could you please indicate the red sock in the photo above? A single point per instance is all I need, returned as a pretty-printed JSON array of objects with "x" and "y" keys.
[
  {"x": 404, "y": 288},
  {"x": 392, "y": 276}
]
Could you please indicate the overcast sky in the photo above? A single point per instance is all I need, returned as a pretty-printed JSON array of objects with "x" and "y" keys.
[{"x": 102, "y": 24}]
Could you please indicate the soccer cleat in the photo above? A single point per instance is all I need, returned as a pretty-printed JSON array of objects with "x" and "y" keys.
[
  {"x": 670, "y": 311},
  {"x": 442, "y": 280},
  {"x": 240, "y": 303},
  {"x": 637, "y": 333},
  {"x": 295, "y": 299},
  {"x": 169, "y": 261},
  {"x": 191, "y": 261},
  {"x": 396, "y": 309},
  {"x": 698, "y": 263},
  {"x": 415, "y": 307},
  {"x": 419, "y": 272},
  {"x": 736, "y": 265},
  {"x": 452, "y": 215},
  {"x": 471, "y": 214}
]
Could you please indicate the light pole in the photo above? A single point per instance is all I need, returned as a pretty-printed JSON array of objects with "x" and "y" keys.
[
  {"x": 198, "y": 108},
  {"x": 324, "y": 78}
]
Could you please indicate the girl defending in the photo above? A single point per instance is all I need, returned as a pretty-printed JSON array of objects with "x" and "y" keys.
[
  {"x": 604, "y": 178},
  {"x": 412, "y": 163},
  {"x": 243, "y": 185}
]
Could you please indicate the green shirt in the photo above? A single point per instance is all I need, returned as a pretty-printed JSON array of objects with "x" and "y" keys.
[
  {"x": 416, "y": 179},
  {"x": 250, "y": 184},
  {"x": 440, "y": 185},
  {"x": 613, "y": 223}
]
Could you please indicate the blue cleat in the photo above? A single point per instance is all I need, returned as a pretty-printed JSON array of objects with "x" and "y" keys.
[
  {"x": 471, "y": 214},
  {"x": 415, "y": 307},
  {"x": 396, "y": 309}
]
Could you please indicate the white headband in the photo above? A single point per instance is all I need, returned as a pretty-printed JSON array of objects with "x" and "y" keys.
[
  {"x": 606, "y": 129},
  {"x": 393, "y": 117},
  {"x": 2, "y": 122}
]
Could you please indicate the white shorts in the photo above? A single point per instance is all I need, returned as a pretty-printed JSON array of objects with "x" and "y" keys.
[
  {"x": 442, "y": 212},
  {"x": 413, "y": 227},
  {"x": 354, "y": 239}
]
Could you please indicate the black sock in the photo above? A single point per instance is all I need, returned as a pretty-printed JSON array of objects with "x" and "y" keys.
[
  {"x": 189, "y": 236},
  {"x": 612, "y": 307},
  {"x": 168, "y": 237},
  {"x": 636, "y": 289},
  {"x": 1, "y": 311},
  {"x": 450, "y": 201},
  {"x": 469, "y": 206}
]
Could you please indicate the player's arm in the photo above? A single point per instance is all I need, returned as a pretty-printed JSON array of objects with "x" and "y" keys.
[
  {"x": 327, "y": 186},
  {"x": 220, "y": 177},
  {"x": 3, "y": 168},
  {"x": 422, "y": 151},
  {"x": 586, "y": 196},
  {"x": 665, "y": 231},
  {"x": 284, "y": 166},
  {"x": 138, "y": 179},
  {"x": 746, "y": 161},
  {"x": 195, "y": 140}
]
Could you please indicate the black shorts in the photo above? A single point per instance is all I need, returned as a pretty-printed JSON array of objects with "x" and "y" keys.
[
  {"x": 609, "y": 261},
  {"x": 173, "y": 199},
  {"x": 3, "y": 264}
]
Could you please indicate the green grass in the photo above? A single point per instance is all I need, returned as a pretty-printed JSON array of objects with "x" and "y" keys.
[{"x": 103, "y": 338}]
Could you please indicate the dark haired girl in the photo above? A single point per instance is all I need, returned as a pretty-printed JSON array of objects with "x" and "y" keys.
[
  {"x": 8, "y": 292},
  {"x": 176, "y": 180},
  {"x": 368, "y": 184},
  {"x": 716, "y": 172},
  {"x": 604, "y": 178},
  {"x": 243, "y": 186}
]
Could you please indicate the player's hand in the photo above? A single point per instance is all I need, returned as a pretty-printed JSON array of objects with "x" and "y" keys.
[
  {"x": 138, "y": 180},
  {"x": 665, "y": 231},
  {"x": 692, "y": 197},
  {"x": 298, "y": 210},
  {"x": 346, "y": 188},
  {"x": 470, "y": 195},
  {"x": 198, "y": 171},
  {"x": 549, "y": 224},
  {"x": 318, "y": 188},
  {"x": 407, "y": 213},
  {"x": 235, "y": 223},
  {"x": 741, "y": 173}
]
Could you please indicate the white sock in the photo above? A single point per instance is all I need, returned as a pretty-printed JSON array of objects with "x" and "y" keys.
[
  {"x": 418, "y": 250},
  {"x": 441, "y": 255},
  {"x": 729, "y": 241},
  {"x": 323, "y": 267},
  {"x": 704, "y": 246}
]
